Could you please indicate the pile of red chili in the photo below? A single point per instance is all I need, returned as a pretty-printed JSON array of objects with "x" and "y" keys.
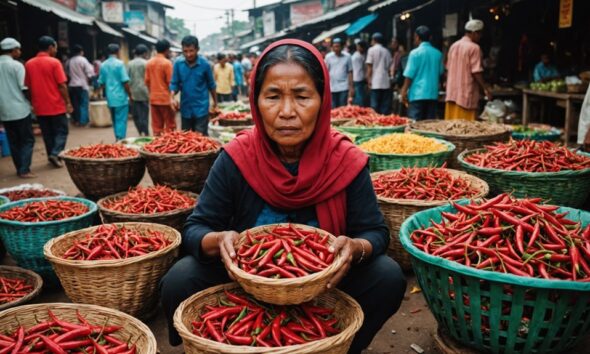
[
  {"x": 108, "y": 242},
  {"x": 150, "y": 200},
  {"x": 103, "y": 151},
  {"x": 59, "y": 336},
  {"x": 348, "y": 112},
  {"x": 518, "y": 236},
  {"x": 235, "y": 115},
  {"x": 529, "y": 156},
  {"x": 181, "y": 142},
  {"x": 48, "y": 210},
  {"x": 423, "y": 183},
  {"x": 284, "y": 252},
  {"x": 29, "y": 193},
  {"x": 12, "y": 289},
  {"x": 381, "y": 121},
  {"x": 239, "y": 320}
]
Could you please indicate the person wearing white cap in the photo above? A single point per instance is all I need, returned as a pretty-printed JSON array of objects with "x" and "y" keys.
[
  {"x": 465, "y": 78},
  {"x": 15, "y": 110}
]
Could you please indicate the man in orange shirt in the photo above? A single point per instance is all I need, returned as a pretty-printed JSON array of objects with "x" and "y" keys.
[{"x": 158, "y": 74}]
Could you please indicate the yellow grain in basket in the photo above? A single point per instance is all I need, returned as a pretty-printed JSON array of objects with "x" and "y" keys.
[{"x": 405, "y": 143}]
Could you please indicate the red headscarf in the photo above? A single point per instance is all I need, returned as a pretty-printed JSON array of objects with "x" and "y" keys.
[{"x": 330, "y": 162}]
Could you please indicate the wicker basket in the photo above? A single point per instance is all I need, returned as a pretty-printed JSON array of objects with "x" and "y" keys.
[
  {"x": 25, "y": 240},
  {"x": 129, "y": 285},
  {"x": 247, "y": 122},
  {"x": 30, "y": 278},
  {"x": 285, "y": 291},
  {"x": 384, "y": 162},
  {"x": 132, "y": 329},
  {"x": 180, "y": 171},
  {"x": 462, "y": 142},
  {"x": 456, "y": 293},
  {"x": 346, "y": 308},
  {"x": 97, "y": 178},
  {"x": 570, "y": 188},
  {"x": 173, "y": 218},
  {"x": 396, "y": 211}
]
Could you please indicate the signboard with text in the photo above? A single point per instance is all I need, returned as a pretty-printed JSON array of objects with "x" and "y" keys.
[
  {"x": 87, "y": 7},
  {"x": 304, "y": 11},
  {"x": 112, "y": 11},
  {"x": 566, "y": 12},
  {"x": 268, "y": 22},
  {"x": 135, "y": 20}
]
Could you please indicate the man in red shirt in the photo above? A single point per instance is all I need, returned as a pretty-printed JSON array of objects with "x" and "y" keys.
[{"x": 47, "y": 83}]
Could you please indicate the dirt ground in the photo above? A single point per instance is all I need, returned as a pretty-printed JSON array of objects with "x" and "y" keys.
[{"x": 413, "y": 324}]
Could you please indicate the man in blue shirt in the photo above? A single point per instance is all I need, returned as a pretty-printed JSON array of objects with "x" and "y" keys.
[
  {"x": 422, "y": 75},
  {"x": 113, "y": 77},
  {"x": 544, "y": 70},
  {"x": 238, "y": 76},
  {"x": 193, "y": 78}
]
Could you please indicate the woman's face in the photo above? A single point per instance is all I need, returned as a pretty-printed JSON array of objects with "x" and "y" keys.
[{"x": 289, "y": 104}]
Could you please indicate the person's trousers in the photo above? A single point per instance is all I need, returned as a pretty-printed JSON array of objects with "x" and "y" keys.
[
  {"x": 79, "y": 98},
  {"x": 196, "y": 124},
  {"x": 140, "y": 111},
  {"x": 235, "y": 91},
  {"x": 221, "y": 97},
  {"x": 455, "y": 112},
  {"x": 163, "y": 119},
  {"x": 360, "y": 94},
  {"x": 422, "y": 109},
  {"x": 119, "y": 117},
  {"x": 21, "y": 141},
  {"x": 381, "y": 101},
  {"x": 339, "y": 99},
  {"x": 55, "y": 133},
  {"x": 378, "y": 286}
]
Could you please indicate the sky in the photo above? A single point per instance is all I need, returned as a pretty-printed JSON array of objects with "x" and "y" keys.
[{"x": 206, "y": 16}]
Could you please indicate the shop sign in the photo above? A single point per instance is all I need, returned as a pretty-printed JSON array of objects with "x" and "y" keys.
[
  {"x": 62, "y": 34},
  {"x": 71, "y": 4},
  {"x": 304, "y": 11},
  {"x": 135, "y": 20},
  {"x": 87, "y": 7},
  {"x": 112, "y": 12},
  {"x": 566, "y": 12},
  {"x": 268, "y": 22}
]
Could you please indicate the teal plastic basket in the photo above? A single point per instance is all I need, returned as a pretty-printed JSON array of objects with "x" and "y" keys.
[
  {"x": 25, "y": 240},
  {"x": 456, "y": 293},
  {"x": 551, "y": 135},
  {"x": 4, "y": 200}
]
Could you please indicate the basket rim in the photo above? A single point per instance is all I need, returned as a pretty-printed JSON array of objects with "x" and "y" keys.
[
  {"x": 103, "y": 209},
  {"x": 450, "y": 148},
  {"x": 363, "y": 128},
  {"x": 48, "y": 253},
  {"x": 25, "y": 273},
  {"x": 424, "y": 203},
  {"x": 64, "y": 155},
  {"x": 458, "y": 136},
  {"x": 4, "y": 200},
  {"x": 145, "y": 153},
  {"x": 479, "y": 273},
  {"x": 92, "y": 208},
  {"x": 522, "y": 174}
]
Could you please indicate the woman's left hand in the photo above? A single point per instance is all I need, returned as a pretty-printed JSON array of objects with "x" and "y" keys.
[{"x": 349, "y": 249}]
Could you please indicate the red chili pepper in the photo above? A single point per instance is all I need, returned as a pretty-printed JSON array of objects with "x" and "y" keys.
[
  {"x": 49, "y": 210},
  {"x": 181, "y": 142},
  {"x": 150, "y": 200},
  {"x": 103, "y": 151}
]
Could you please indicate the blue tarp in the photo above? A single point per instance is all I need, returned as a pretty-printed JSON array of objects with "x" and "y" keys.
[{"x": 360, "y": 24}]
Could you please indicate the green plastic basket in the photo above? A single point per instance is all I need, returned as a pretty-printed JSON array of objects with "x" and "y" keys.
[
  {"x": 25, "y": 240},
  {"x": 570, "y": 188},
  {"x": 455, "y": 294},
  {"x": 365, "y": 133},
  {"x": 384, "y": 162},
  {"x": 4, "y": 200}
]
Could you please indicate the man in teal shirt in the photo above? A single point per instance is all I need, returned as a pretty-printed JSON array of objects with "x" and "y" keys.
[
  {"x": 545, "y": 70},
  {"x": 422, "y": 75},
  {"x": 113, "y": 77}
]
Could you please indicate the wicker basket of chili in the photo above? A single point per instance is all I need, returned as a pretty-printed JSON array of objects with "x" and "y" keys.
[
  {"x": 493, "y": 289},
  {"x": 104, "y": 169},
  {"x": 402, "y": 193},
  {"x": 348, "y": 320},
  {"x": 181, "y": 160},
  {"x": 18, "y": 286},
  {"x": 155, "y": 204},
  {"x": 137, "y": 254},
  {"x": 81, "y": 328},
  {"x": 371, "y": 127},
  {"x": 26, "y": 225}
]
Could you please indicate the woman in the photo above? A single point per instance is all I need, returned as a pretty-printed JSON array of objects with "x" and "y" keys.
[{"x": 291, "y": 168}]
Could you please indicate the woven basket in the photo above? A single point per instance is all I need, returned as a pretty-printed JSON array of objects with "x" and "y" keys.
[
  {"x": 236, "y": 122},
  {"x": 462, "y": 142},
  {"x": 560, "y": 309},
  {"x": 132, "y": 329},
  {"x": 30, "y": 278},
  {"x": 180, "y": 171},
  {"x": 129, "y": 285},
  {"x": 173, "y": 218},
  {"x": 396, "y": 211},
  {"x": 285, "y": 291},
  {"x": 384, "y": 162},
  {"x": 25, "y": 240},
  {"x": 570, "y": 188},
  {"x": 346, "y": 308},
  {"x": 97, "y": 178},
  {"x": 366, "y": 133}
]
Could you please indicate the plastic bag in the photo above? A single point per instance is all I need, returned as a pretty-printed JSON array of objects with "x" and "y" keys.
[{"x": 494, "y": 111}]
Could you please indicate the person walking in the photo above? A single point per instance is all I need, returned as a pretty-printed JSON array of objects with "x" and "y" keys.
[
  {"x": 80, "y": 71},
  {"x": 422, "y": 75},
  {"x": 359, "y": 74},
  {"x": 339, "y": 66},
  {"x": 157, "y": 77},
  {"x": 246, "y": 69},
  {"x": 136, "y": 69},
  {"x": 378, "y": 65},
  {"x": 113, "y": 77},
  {"x": 47, "y": 83},
  {"x": 15, "y": 110},
  {"x": 193, "y": 78},
  {"x": 224, "y": 78},
  {"x": 238, "y": 77},
  {"x": 465, "y": 75}
]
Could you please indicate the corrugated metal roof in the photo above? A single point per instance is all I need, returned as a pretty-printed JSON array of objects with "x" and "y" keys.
[
  {"x": 263, "y": 39},
  {"x": 330, "y": 33},
  {"x": 61, "y": 11},
  {"x": 108, "y": 29},
  {"x": 328, "y": 16},
  {"x": 382, "y": 5},
  {"x": 145, "y": 37}
]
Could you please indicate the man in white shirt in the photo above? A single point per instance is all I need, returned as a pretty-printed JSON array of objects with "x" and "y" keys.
[
  {"x": 378, "y": 64},
  {"x": 359, "y": 74},
  {"x": 340, "y": 68},
  {"x": 79, "y": 71}
]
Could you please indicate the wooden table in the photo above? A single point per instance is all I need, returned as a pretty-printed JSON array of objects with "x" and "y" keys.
[{"x": 567, "y": 98}]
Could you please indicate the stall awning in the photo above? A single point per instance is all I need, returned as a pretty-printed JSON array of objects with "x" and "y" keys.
[
  {"x": 139, "y": 35},
  {"x": 360, "y": 24},
  {"x": 382, "y": 5},
  {"x": 107, "y": 29},
  {"x": 61, "y": 11},
  {"x": 261, "y": 40},
  {"x": 327, "y": 34},
  {"x": 328, "y": 16}
]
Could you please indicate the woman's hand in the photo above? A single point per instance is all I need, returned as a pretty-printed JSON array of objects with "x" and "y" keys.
[
  {"x": 350, "y": 250},
  {"x": 221, "y": 244}
]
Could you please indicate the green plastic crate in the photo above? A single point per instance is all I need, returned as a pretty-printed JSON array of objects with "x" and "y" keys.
[{"x": 560, "y": 310}]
